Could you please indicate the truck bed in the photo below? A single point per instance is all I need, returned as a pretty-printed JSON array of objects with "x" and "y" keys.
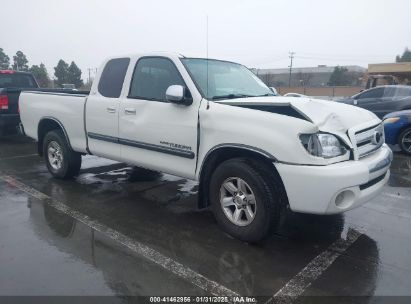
[
  {"x": 57, "y": 90},
  {"x": 65, "y": 107}
]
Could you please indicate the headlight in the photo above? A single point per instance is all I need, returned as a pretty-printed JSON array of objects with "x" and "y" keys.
[
  {"x": 322, "y": 145},
  {"x": 391, "y": 120}
]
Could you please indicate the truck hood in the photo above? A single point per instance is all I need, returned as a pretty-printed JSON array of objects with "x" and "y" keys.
[{"x": 328, "y": 116}]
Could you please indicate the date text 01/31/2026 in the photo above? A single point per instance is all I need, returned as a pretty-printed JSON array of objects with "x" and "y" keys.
[{"x": 203, "y": 299}]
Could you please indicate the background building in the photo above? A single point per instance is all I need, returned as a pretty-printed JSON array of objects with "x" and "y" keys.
[
  {"x": 307, "y": 77},
  {"x": 399, "y": 72}
]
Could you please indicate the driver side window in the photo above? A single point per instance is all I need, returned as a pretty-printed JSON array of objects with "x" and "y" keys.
[{"x": 152, "y": 77}]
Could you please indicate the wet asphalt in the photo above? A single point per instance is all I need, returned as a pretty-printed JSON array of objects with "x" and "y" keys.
[{"x": 44, "y": 251}]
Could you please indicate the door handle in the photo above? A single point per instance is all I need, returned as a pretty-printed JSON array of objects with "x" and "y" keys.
[
  {"x": 111, "y": 110},
  {"x": 130, "y": 111}
]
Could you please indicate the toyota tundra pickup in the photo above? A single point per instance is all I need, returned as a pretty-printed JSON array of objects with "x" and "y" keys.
[{"x": 254, "y": 154}]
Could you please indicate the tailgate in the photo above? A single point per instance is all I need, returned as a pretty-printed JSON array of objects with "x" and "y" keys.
[
  {"x": 11, "y": 84},
  {"x": 13, "y": 97}
]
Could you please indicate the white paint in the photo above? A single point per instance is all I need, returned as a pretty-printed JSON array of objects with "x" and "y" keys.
[
  {"x": 150, "y": 254},
  {"x": 68, "y": 111},
  {"x": 300, "y": 282},
  {"x": 91, "y": 161},
  {"x": 313, "y": 189}
]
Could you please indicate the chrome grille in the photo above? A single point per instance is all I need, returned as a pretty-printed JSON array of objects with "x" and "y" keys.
[{"x": 369, "y": 140}]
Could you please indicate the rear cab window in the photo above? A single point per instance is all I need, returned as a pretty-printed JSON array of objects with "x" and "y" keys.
[
  {"x": 17, "y": 80},
  {"x": 112, "y": 77}
]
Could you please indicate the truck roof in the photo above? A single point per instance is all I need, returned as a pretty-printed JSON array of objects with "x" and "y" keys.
[
  {"x": 14, "y": 72},
  {"x": 163, "y": 54},
  {"x": 148, "y": 54}
]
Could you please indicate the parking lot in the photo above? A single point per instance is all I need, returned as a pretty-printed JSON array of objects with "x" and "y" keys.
[{"x": 121, "y": 231}]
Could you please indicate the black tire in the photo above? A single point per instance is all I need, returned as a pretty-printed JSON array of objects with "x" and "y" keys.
[
  {"x": 70, "y": 160},
  {"x": 406, "y": 148},
  {"x": 269, "y": 193}
]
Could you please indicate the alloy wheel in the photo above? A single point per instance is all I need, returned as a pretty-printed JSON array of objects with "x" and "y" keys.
[
  {"x": 406, "y": 141},
  {"x": 238, "y": 201},
  {"x": 55, "y": 155}
]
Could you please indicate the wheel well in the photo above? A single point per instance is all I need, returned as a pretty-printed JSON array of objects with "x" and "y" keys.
[
  {"x": 400, "y": 131},
  {"x": 46, "y": 125},
  {"x": 217, "y": 157}
]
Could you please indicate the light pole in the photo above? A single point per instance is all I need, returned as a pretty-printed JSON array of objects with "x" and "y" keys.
[{"x": 291, "y": 56}]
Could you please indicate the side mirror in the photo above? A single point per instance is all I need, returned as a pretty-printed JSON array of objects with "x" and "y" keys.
[
  {"x": 179, "y": 95},
  {"x": 274, "y": 90}
]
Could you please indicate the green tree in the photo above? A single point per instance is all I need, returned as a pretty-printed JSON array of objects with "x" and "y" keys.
[
  {"x": 61, "y": 72},
  {"x": 20, "y": 62},
  {"x": 406, "y": 56},
  {"x": 74, "y": 75},
  {"x": 4, "y": 60},
  {"x": 342, "y": 77},
  {"x": 41, "y": 75}
]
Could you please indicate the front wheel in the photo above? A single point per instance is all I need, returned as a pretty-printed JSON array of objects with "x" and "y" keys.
[
  {"x": 404, "y": 141},
  {"x": 247, "y": 199},
  {"x": 62, "y": 162}
]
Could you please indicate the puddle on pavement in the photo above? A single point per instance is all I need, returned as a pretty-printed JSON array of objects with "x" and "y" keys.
[{"x": 401, "y": 171}]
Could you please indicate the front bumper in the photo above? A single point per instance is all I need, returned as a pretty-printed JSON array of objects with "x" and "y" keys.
[
  {"x": 338, "y": 187},
  {"x": 9, "y": 120}
]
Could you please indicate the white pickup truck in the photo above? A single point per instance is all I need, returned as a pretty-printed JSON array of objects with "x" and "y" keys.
[{"x": 254, "y": 154}]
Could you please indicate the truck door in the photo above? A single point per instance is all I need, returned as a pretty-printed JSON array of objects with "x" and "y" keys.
[
  {"x": 155, "y": 133},
  {"x": 102, "y": 109}
]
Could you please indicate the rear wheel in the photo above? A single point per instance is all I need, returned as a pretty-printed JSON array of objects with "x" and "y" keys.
[
  {"x": 247, "y": 198},
  {"x": 404, "y": 141},
  {"x": 62, "y": 162}
]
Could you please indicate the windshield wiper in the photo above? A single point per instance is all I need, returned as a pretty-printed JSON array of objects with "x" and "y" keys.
[
  {"x": 230, "y": 96},
  {"x": 268, "y": 94}
]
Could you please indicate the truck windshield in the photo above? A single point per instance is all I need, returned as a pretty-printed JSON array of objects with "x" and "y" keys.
[
  {"x": 226, "y": 80},
  {"x": 14, "y": 80}
]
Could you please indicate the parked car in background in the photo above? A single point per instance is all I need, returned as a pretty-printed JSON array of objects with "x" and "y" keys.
[
  {"x": 69, "y": 86},
  {"x": 397, "y": 127},
  {"x": 295, "y": 95},
  {"x": 11, "y": 84},
  {"x": 382, "y": 100}
]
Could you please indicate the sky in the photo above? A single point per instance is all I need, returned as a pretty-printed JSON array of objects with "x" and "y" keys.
[{"x": 257, "y": 33}]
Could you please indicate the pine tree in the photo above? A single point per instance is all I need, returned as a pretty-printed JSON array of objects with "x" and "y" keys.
[{"x": 74, "y": 75}]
